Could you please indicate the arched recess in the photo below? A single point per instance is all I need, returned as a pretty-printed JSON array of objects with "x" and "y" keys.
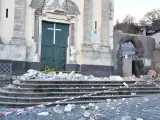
[
  {"x": 130, "y": 46},
  {"x": 68, "y": 8}
]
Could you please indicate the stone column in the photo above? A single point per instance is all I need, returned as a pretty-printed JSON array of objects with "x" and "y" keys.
[{"x": 19, "y": 23}]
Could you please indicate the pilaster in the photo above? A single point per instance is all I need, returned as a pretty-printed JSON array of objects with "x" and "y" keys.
[
  {"x": 105, "y": 22},
  {"x": 19, "y": 23},
  {"x": 88, "y": 9}
]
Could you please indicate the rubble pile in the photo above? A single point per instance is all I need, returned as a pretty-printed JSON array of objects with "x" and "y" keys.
[{"x": 37, "y": 75}]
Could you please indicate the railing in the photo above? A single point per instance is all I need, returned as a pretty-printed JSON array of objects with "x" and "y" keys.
[{"x": 5, "y": 68}]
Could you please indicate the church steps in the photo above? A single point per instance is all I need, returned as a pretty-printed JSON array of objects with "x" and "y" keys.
[
  {"x": 29, "y": 93},
  {"x": 3, "y": 82},
  {"x": 74, "y": 82},
  {"x": 49, "y": 99},
  {"x": 72, "y": 94},
  {"x": 22, "y": 85},
  {"x": 22, "y": 105},
  {"x": 13, "y": 89}
]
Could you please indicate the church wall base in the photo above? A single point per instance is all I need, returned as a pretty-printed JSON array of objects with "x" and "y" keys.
[
  {"x": 17, "y": 67},
  {"x": 21, "y": 67},
  {"x": 96, "y": 70}
]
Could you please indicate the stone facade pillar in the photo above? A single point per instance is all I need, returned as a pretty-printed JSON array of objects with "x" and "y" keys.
[
  {"x": 88, "y": 9},
  {"x": 105, "y": 23},
  {"x": 19, "y": 23}
]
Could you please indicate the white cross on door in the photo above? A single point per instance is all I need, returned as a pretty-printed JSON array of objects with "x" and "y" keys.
[{"x": 54, "y": 32}]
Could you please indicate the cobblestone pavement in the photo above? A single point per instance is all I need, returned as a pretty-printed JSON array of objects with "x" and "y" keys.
[{"x": 146, "y": 108}]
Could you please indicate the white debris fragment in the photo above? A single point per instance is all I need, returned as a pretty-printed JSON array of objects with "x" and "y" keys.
[
  {"x": 112, "y": 108},
  {"x": 126, "y": 118},
  {"x": 109, "y": 100},
  {"x": 125, "y": 84},
  {"x": 91, "y": 118},
  {"x": 116, "y": 78},
  {"x": 123, "y": 99},
  {"x": 84, "y": 107},
  {"x": 139, "y": 119},
  {"x": 115, "y": 100},
  {"x": 69, "y": 107},
  {"x": 87, "y": 114},
  {"x": 96, "y": 108},
  {"x": 91, "y": 104},
  {"x": 43, "y": 113},
  {"x": 133, "y": 94},
  {"x": 34, "y": 74},
  {"x": 57, "y": 109},
  {"x": 146, "y": 99}
]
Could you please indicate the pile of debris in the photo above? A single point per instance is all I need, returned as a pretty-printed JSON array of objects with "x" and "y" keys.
[{"x": 37, "y": 75}]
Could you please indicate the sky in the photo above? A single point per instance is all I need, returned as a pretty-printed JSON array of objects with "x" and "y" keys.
[{"x": 136, "y": 8}]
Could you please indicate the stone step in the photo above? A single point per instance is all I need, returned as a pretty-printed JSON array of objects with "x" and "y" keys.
[
  {"x": 49, "y": 99},
  {"x": 22, "y": 85},
  {"x": 13, "y": 89},
  {"x": 6, "y": 81},
  {"x": 73, "y": 94},
  {"x": 22, "y": 105},
  {"x": 73, "y": 82}
]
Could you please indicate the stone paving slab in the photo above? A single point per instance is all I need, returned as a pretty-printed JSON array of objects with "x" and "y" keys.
[{"x": 146, "y": 108}]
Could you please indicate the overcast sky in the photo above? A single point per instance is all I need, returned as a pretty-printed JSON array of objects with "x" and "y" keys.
[{"x": 136, "y": 8}]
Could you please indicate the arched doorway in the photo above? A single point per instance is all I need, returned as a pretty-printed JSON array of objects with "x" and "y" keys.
[{"x": 128, "y": 54}]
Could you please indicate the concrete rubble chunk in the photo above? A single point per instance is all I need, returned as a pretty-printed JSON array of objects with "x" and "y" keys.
[
  {"x": 91, "y": 118},
  {"x": 126, "y": 118},
  {"x": 109, "y": 100},
  {"x": 133, "y": 94},
  {"x": 91, "y": 104},
  {"x": 125, "y": 84},
  {"x": 44, "y": 113},
  {"x": 37, "y": 75},
  {"x": 96, "y": 108},
  {"x": 57, "y": 109},
  {"x": 69, "y": 107},
  {"x": 84, "y": 107},
  {"x": 87, "y": 114},
  {"x": 116, "y": 78},
  {"x": 139, "y": 119},
  {"x": 123, "y": 99},
  {"x": 146, "y": 99}
]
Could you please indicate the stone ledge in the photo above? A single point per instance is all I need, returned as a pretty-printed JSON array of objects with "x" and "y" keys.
[{"x": 95, "y": 48}]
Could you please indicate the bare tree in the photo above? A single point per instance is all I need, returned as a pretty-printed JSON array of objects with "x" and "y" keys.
[
  {"x": 127, "y": 26},
  {"x": 151, "y": 18},
  {"x": 129, "y": 19}
]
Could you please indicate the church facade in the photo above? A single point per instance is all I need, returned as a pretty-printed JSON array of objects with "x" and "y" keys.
[{"x": 61, "y": 34}]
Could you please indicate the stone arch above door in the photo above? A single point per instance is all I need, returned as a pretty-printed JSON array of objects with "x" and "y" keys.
[
  {"x": 68, "y": 6},
  {"x": 135, "y": 41}
]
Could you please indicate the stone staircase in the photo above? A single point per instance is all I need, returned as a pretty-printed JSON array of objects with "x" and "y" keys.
[{"x": 35, "y": 92}]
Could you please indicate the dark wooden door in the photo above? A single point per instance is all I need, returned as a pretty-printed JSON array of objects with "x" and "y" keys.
[{"x": 54, "y": 45}]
